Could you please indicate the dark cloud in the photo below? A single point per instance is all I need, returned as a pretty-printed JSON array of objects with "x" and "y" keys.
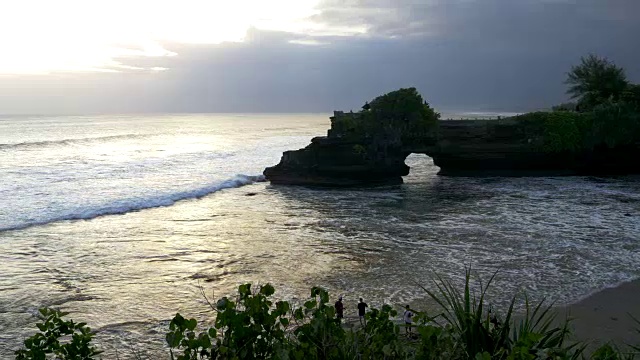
[
  {"x": 493, "y": 21},
  {"x": 461, "y": 54}
]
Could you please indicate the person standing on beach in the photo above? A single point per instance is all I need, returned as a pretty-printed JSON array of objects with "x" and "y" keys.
[
  {"x": 408, "y": 319},
  {"x": 339, "y": 309},
  {"x": 361, "y": 311}
]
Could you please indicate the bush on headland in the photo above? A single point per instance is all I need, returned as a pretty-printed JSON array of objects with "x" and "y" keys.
[
  {"x": 596, "y": 80},
  {"x": 606, "y": 112},
  {"x": 403, "y": 111},
  {"x": 252, "y": 326},
  {"x": 606, "y": 126}
]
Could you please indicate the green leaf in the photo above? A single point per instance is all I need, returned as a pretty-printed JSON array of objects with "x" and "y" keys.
[
  {"x": 174, "y": 339},
  {"x": 282, "y": 307},
  {"x": 324, "y": 296},
  {"x": 483, "y": 356},
  {"x": 244, "y": 290},
  {"x": 191, "y": 324},
  {"x": 177, "y": 321},
  {"x": 267, "y": 290},
  {"x": 310, "y": 304},
  {"x": 205, "y": 342}
]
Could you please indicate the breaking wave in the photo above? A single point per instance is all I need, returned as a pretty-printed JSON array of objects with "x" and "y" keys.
[
  {"x": 72, "y": 141},
  {"x": 129, "y": 205}
]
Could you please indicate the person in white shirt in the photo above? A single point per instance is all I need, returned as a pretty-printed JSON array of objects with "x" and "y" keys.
[{"x": 408, "y": 319}]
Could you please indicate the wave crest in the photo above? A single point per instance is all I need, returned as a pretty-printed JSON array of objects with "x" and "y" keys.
[
  {"x": 71, "y": 141},
  {"x": 131, "y": 205}
]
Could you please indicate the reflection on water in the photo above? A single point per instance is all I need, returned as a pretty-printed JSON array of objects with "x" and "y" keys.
[{"x": 126, "y": 275}]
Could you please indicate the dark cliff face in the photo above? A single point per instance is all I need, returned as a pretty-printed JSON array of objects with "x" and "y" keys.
[
  {"x": 339, "y": 162},
  {"x": 518, "y": 147},
  {"x": 505, "y": 147}
]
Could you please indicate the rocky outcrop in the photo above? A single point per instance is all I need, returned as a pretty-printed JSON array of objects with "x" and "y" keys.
[
  {"x": 518, "y": 147},
  {"x": 364, "y": 148},
  {"x": 370, "y": 147},
  {"x": 340, "y": 161},
  {"x": 506, "y": 147}
]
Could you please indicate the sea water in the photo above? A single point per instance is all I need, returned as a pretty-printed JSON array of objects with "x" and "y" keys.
[{"x": 121, "y": 220}]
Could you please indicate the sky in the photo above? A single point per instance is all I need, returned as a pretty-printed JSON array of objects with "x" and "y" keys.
[{"x": 154, "y": 56}]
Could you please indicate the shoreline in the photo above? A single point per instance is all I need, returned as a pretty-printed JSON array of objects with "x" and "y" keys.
[
  {"x": 603, "y": 317},
  {"x": 599, "y": 318}
]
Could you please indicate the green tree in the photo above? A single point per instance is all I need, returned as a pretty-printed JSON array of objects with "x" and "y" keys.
[
  {"x": 568, "y": 106},
  {"x": 632, "y": 94},
  {"x": 595, "y": 81},
  {"x": 402, "y": 106}
]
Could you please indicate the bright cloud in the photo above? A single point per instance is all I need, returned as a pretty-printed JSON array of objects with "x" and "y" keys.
[{"x": 45, "y": 36}]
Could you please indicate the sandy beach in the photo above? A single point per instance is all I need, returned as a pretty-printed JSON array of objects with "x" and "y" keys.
[{"x": 605, "y": 316}]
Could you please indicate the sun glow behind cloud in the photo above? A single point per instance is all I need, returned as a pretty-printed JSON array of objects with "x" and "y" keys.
[{"x": 46, "y": 36}]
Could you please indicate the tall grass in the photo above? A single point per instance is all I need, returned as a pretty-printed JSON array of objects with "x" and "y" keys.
[{"x": 481, "y": 334}]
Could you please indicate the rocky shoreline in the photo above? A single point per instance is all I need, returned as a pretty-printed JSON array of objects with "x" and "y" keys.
[{"x": 507, "y": 147}]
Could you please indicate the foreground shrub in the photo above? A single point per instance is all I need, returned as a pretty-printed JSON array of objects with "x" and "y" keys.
[
  {"x": 474, "y": 332},
  {"x": 248, "y": 328},
  {"x": 318, "y": 334},
  {"x": 380, "y": 338},
  {"x": 59, "y": 339},
  {"x": 252, "y": 326}
]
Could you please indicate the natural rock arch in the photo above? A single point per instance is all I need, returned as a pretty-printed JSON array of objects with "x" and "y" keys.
[{"x": 370, "y": 147}]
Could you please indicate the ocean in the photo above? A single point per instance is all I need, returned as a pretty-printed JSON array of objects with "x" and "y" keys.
[{"x": 121, "y": 220}]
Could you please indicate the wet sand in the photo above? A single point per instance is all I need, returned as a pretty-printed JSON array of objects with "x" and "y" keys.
[{"x": 604, "y": 316}]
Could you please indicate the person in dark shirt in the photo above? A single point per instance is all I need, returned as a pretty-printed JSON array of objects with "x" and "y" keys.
[
  {"x": 339, "y": 309},
  {"x": 493, "y": 318},
  {"x": 361, "y": 311}
]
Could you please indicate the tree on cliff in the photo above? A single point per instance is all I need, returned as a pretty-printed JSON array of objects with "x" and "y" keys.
[
  {"x": 632, "y": 94},
  {"x": 595, "y": 81},
  {"x": 401, "y": 105},
  {"x": 568, "y": 106}
]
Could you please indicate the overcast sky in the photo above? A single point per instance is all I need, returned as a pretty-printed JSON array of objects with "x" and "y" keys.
[{"x": 117, "y": 56}]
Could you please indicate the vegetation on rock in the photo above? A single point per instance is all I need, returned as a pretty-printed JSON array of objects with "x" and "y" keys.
[
  {"x": 595, "y": 81},
  {"x": 632, "y": 94},
  {"x": 405, "y": 108},
  {"x": 607, "y": 114},
  {"x": 568, "y": 106},
  {"x": 402, "y": 113}
]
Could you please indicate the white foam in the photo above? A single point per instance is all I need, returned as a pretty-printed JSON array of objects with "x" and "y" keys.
[{"x": 129, "y": 205}]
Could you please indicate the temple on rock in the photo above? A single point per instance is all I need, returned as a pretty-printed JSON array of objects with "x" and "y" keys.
[{"x": 369, "y": 147}]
